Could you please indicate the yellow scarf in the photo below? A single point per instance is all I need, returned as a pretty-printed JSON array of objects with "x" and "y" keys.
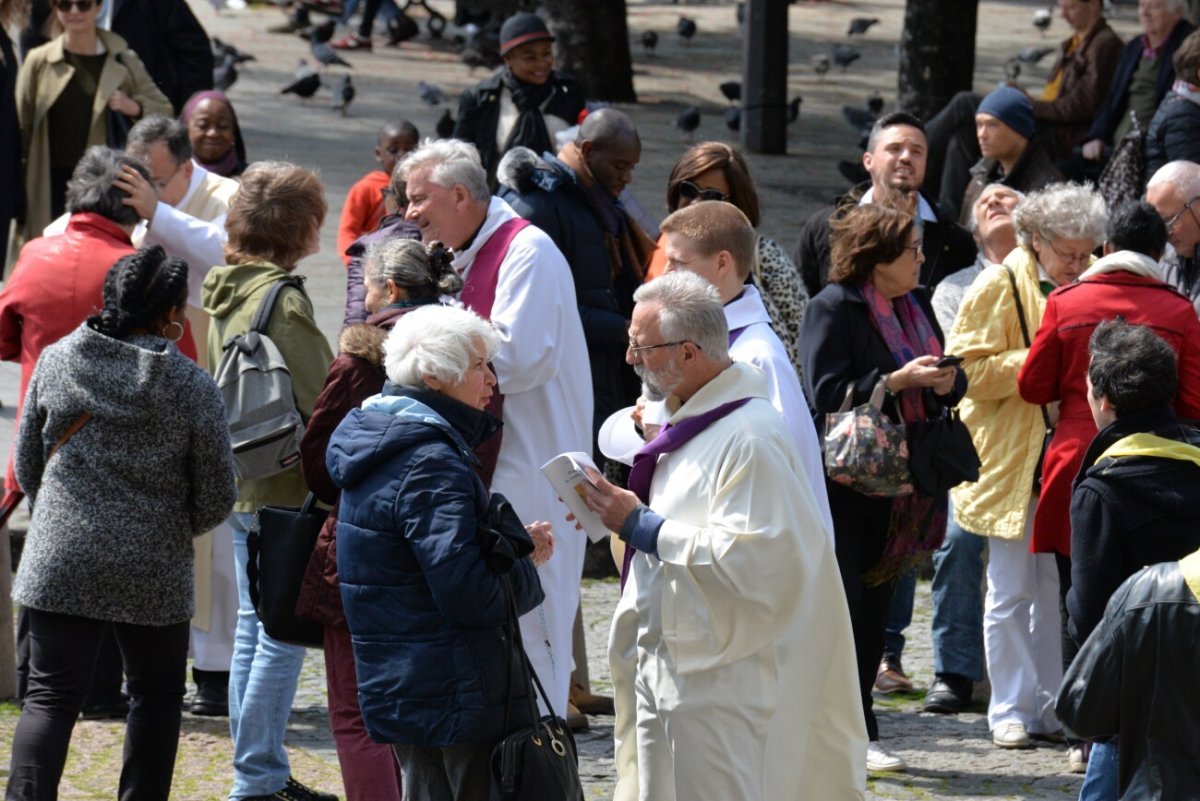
[
  {"x": 1055, "y": 85},
  {"x": 1152, "y": 445}
]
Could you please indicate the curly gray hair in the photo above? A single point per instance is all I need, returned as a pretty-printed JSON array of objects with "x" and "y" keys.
[
  {"x": 91, "y": 187},
  {"x": 689, "y": 310},
  {"x": 1061, "y": 211},
  {"x": 438, "y": 341},
  {"x": 452, "y": 163}
]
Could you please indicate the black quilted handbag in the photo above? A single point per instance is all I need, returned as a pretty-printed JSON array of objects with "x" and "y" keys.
[{"x": 539, "y": 762}]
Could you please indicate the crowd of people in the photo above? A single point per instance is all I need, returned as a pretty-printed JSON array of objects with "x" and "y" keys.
[{"x": 506, "y": 303}]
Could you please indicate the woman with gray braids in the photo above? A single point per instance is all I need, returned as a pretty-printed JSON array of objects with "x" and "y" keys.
[
  {"x": 400, "y": 275},
  {"x": 123, "y": 451}
]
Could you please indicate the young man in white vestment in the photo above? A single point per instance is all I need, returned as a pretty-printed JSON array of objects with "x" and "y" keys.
[{"x": 731, "y": 650}]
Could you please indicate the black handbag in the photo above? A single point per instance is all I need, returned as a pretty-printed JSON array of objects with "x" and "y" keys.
[
  {"x": 539, "y": 762},
  {"x": 502, "y": 536},
  {"x": 1049, "y": 432},
  {"x": 278, "y": 547},
  {"x": 941, "y": 453}
]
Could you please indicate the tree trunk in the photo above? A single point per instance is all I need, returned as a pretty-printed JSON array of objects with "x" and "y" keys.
[
  {"x": 937, "y": 53},
  {"x": 593, "y": 45}
]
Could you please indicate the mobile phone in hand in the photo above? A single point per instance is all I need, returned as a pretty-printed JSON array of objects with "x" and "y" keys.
[{"x": 948, "y": 360}]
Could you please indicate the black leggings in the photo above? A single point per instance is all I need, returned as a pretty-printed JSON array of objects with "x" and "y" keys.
[
  {"x": 370, "y": 11},
  {"x": 62, "y": 658}
]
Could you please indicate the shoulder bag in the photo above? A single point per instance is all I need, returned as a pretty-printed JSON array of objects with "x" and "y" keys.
[
  {"x": 1049, "y": 432},
  {"x": 941, "y": 452},
  {"x": 866, "y": 451},
  {"x": 278, "y": 547},
  {"x": 537, "y": 763}
]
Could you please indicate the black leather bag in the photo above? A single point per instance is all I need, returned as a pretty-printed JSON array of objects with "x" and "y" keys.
[
  {"x": 941, "y": 454},
  {"x": 502, "y": 536},
  {"x": 539, "y": 762},
  {"x": 279, "y": 546}
]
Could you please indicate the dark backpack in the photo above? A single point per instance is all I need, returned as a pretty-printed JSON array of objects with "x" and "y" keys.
[{"x": 265, "y": 427}]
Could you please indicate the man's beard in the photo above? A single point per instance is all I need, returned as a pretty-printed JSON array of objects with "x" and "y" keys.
[{"x": 658, "y": 384}]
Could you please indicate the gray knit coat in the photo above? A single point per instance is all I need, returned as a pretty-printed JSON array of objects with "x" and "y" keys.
[{"x": 116, "y": 508}]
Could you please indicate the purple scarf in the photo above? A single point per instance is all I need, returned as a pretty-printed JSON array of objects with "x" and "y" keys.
[
  {"x": 918, "y": 521},
  {"x": 671, "y": 438}
]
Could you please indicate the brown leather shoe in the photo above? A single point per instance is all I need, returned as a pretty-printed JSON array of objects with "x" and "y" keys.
[
  {"x": 588, "y": 703},
  {"x": 890, "y": 677}
]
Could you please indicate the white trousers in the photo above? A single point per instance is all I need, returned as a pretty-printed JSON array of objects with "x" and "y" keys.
[
  {"x": 1022, "y": 630},
  {"x": 212, "y": 648},
  {"x": 547, "y": 630},
  {"x": 704, "y": 735}
]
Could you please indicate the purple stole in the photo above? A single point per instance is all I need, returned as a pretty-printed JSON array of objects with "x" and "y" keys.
[
  {"x": 671, "y": 438},
  {"x": 479, "y": 295}
]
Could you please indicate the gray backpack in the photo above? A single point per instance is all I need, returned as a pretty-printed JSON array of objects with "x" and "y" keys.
[{"x": 265, "y": 428}]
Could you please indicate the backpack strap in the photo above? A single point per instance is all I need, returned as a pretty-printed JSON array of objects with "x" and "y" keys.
[{"x": 263, "y": 315}]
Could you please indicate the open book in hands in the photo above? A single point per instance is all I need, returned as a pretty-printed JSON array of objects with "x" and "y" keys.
[{"x": 567, "y": 472}]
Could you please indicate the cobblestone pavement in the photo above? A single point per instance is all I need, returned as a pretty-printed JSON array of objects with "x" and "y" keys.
[{"x": 951, "y": 757}]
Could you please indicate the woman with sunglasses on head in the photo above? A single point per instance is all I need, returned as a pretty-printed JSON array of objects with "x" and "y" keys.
[
  {"x": 715, "y": 171},
  {"x": 123, "y": 451},
  {"x": 84, "y": 73}
]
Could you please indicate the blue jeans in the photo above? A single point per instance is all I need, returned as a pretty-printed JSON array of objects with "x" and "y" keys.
[
  {"x": 1100, "y": 781},
  {"x": 958, "y": 603},
  {"x": 900, "y": 614},
  {"x": 262, "y": 685}
]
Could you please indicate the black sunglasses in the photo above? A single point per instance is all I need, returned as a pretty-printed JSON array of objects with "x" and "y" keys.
[
  {"x": 80, "y": 5},
  {"x": 689, "y": 191}
]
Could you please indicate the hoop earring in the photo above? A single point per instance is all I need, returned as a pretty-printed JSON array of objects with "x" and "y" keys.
[{"x": 167, "y": 328}]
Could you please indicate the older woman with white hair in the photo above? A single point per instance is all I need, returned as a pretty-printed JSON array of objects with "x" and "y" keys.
[{"x": 425, "y": 604}]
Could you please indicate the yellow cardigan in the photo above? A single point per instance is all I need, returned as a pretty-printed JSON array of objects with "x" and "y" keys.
[
  {"x": 1006, "y": 430},
  {"x": 43, "y": 77}
]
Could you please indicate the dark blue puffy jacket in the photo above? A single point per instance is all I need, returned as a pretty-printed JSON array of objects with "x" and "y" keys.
[{"x": 426, "y": 614}]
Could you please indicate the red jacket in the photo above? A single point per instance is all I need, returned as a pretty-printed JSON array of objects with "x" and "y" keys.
[
  {"x": 56, "y": 284},
  {"x": 1056, "y": 370}
]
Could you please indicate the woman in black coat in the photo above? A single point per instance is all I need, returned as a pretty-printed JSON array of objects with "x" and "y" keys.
[
  {"x": 1174, "y": 133},
  {"x": 873, "y": 324},
  {"x": 525, "y": 103}
]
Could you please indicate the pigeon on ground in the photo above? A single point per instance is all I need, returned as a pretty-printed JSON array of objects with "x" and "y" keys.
[
  {"x": 320, "y": 33},
  {"x": 1042, "y": 19},
  {"x": 225, "y": 73},
  {"x": 860, "y": 25},
  {"x": 686, "y": 28},
  {"x": 326, "y": 55},
  {"x": 220, "y": 49},
  {"x": 343, "y": 94},
  {"x": 732, "y": 90},
  {"x": 306, "y": 84},
  {"x": 820, "y": 64},
  {"x": 444, "y": 125},
  {"x": 858, "y": 118},
  {"x": 1033, "y": 55},
  {"x": 733, "y": 118},
  {"x": 400, "y": 29},
  {"x": 844, "y": 55},
  {"x": 430, "y": 93},
  {"x": 793, "y": 109},
  {"x": 649, "y": 41},
  {"x": 875, "y": 103},
  {"x": 688, "y": 121},
  {"x": 1012, "y": 69}
]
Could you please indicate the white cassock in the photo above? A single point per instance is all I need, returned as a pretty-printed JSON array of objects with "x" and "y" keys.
[
  {"x": 542, "y": 370},
  {"x": 732, "y": 654},
  {"x": 758, "y": 344}
]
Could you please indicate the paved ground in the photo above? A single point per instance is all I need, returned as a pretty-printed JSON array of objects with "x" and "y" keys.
[{"x": 950, "y": 757}]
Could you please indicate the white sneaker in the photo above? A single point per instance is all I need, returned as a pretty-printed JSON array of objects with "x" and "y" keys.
[
  {"x": 1011, "y": 735},
  {"x": 880, "y": 759}
]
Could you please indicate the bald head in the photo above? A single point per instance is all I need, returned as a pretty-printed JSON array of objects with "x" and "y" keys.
[{"x": 610, "y": 147}]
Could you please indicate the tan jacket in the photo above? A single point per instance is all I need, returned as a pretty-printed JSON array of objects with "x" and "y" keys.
[
  {"x": 43, "y": 77},
  {"x": 1006, "y": 430}
]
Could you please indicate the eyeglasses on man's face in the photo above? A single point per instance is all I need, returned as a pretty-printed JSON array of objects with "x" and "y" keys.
[
  {"x": 634, "y": 347},
  {"x": 1174, "y": 218}
]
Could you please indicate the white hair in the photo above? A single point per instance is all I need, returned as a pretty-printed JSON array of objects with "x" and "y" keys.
[
  {"x": 451, "y": 163},
  {"x": 689, "y": 310},
  {"x": 1180, "y": 7},
  {"x": 437, "y": 341},
  {"x": 1061, "y": 211},
  {"x": 973, "y": 222},
  {"x": 1183, "y": 175}
]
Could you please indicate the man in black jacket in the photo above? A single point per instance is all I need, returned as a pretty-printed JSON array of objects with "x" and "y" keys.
[
  {"x": 895, "y": 160},
  {"x": 1134, "y": 502}
]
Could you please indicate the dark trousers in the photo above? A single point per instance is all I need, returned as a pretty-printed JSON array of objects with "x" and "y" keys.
[
  {"x": 860, "y": 526},
  {"x": 62, "y": 658},
  {"x": 105, "y": 689},
  {"x": 953, "y": 151},
  {"x": 370, "y": 10},
  {"x": 453, "y": 773}
]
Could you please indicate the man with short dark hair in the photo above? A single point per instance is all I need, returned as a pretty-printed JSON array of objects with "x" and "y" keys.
[
  {"x": 1133, "y": 505},
  {"x": 895, "y": 162}
]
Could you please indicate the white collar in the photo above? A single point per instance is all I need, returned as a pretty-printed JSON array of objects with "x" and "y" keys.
[
  {"x": 745, "y": 310},
  {"x": 924, "y": 210},
  {"x": 198, "y": 176}
]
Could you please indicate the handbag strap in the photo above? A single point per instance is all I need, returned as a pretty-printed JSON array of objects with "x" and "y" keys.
[
  {"x": 1012, "y": 279},
  {"x": 518, "y": 645},
  {"x": 79, "y": 423},
  {"x": 875, "y": 400}
]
